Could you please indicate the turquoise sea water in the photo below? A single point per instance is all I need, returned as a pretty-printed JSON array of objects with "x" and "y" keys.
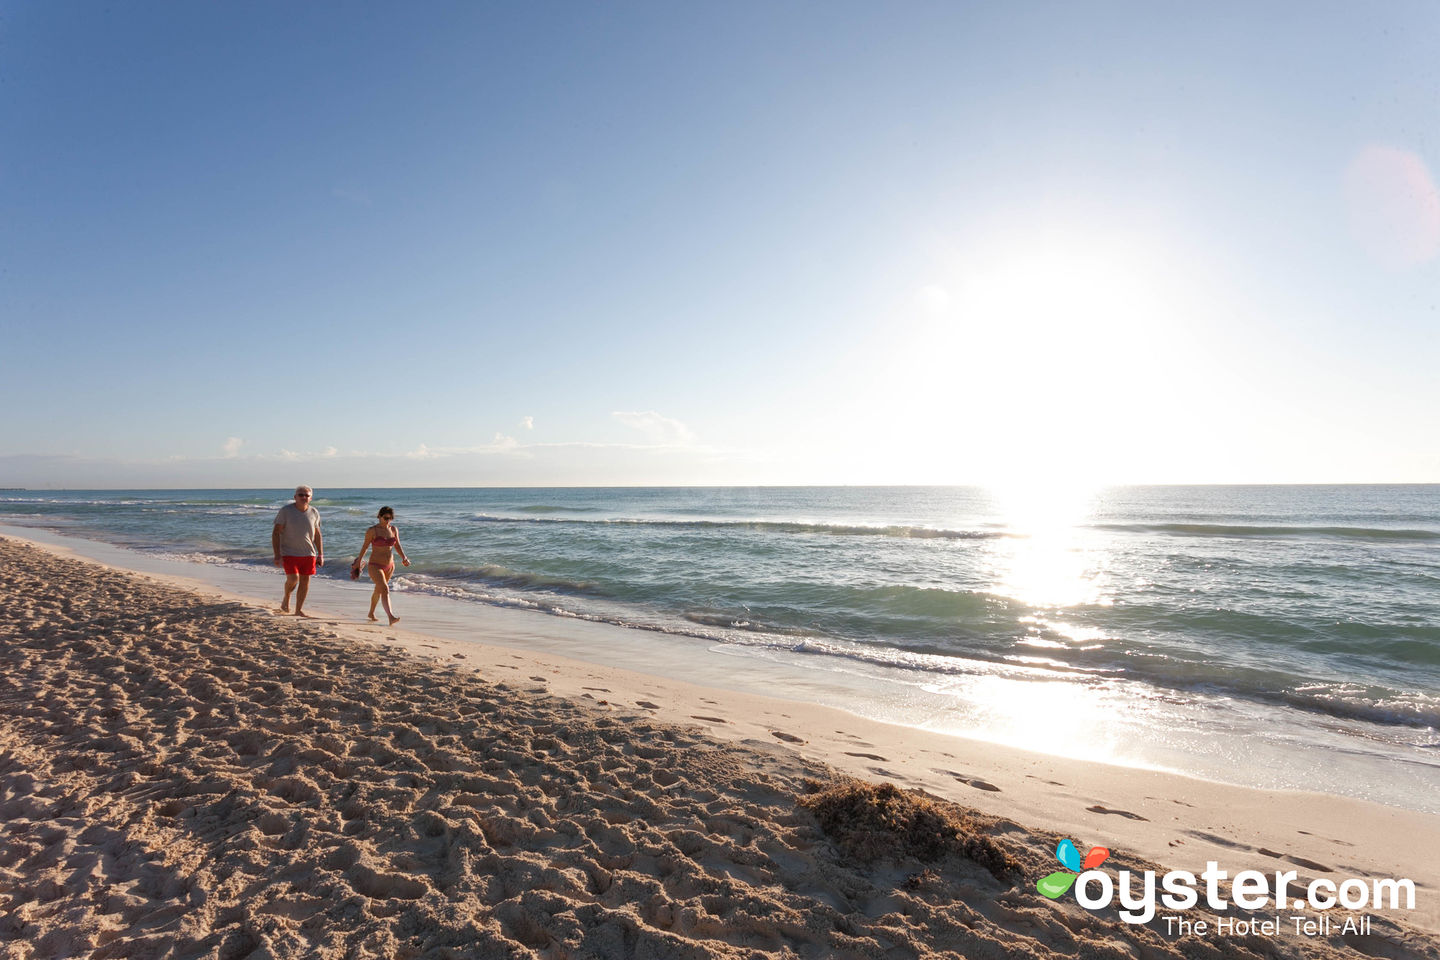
[{"x": 1301, "y": 621}]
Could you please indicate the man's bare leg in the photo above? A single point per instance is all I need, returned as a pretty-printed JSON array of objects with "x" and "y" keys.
[
  {"x": 300, "y": 592},
  {"x": 290, "y": 580}
]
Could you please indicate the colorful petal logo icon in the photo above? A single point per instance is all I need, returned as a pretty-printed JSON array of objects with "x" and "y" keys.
[{"x": 1058, "y": 882}]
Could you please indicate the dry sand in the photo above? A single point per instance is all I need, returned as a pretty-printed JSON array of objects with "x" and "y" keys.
[{"x": 185, "y": 775}]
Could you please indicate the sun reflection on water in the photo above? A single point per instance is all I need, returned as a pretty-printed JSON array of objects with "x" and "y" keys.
[
  {"x": 1076, "y": 719},
  {"x": 1046, "y": 561}
]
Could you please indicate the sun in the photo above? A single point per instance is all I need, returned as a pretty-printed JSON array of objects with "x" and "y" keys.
[{"x": 1030, "y": 355}]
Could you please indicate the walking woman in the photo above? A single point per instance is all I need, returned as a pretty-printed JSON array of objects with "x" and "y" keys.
[{"x": 380, "y": 540}]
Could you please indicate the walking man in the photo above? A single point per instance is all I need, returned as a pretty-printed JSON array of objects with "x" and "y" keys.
[{"x": 299, "y": 548}]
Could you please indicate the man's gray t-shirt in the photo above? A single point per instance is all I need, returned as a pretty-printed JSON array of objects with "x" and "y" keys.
[{"x": 298, "y": 530}]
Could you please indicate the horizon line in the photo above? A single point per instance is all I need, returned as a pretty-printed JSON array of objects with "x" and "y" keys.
[{"x": 753, "y": 486}]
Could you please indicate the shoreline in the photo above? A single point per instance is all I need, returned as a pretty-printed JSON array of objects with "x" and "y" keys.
[
  {"x": 1166, "y": 818},
  {"x": 1152, "y": 675},
  {"x": 890, "y": 703}
]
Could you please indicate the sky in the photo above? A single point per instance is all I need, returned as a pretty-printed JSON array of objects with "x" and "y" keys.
[{"x": 453, "y": 244}]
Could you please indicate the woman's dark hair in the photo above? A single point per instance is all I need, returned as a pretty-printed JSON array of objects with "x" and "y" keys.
[{"x": 385, "y": 512}]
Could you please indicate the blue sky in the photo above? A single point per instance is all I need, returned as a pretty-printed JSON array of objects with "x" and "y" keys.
[{"x": 366, "y": 245}]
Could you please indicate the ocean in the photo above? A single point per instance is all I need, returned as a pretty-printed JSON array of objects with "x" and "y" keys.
[{"x": 1274, "y": 636}]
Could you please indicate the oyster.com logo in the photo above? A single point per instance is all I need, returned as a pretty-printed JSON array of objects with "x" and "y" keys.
[
  {"x": 1250, "y": 890},
  {"x": 1057, "y": 883}
]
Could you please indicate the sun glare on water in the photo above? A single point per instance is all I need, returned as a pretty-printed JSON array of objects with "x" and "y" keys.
[
  {"x": 1048, "y": 561},
  {"x": 1042, "y": 561},
  {"x": 1021, "y": 713}
]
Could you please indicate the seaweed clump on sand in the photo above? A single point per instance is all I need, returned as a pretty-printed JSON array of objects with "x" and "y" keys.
[{"x": 870, "y": 821}]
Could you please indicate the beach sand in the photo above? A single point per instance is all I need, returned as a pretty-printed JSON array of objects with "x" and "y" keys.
[{"x": 185, "y": 774}]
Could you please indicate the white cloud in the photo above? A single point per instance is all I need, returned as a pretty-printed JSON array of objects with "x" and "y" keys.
[
  {"x": 501, "y": 444},
  {"x": 232, "y": 447},
  {"x": 331, "y": 452},
  {"x": 656, "y": 428},
  {"x": 527, "y": 423}
]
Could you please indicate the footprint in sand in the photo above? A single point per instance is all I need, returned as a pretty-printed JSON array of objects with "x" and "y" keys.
[
  {"x": 1298, "y": 861},
  {"x": 1097, "y": 808},
  {"x": 787, "y": 737},
  {"x": 1310, "y": 864},
  {"x": 647, "y": 704},
  {"x": 541, "y": 679},
  {"x": 458, "y": 656},
  {"x": 596, "y": 689},
  {"x": 1053, "y": 783},
  {"x": 975, "y": 782},
  {"x": 1217, "y": 840},
  {"x": 709, "y": 719}
]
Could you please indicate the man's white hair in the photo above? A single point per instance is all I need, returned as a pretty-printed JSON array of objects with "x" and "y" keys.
[{"x": 304, "y": 489}]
